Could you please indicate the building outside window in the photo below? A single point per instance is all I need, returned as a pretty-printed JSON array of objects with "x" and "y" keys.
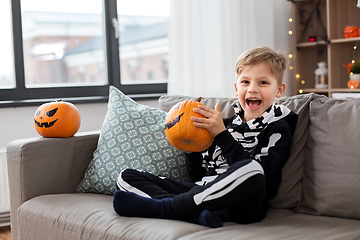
[
  {"x": 89, "y": 45},
  {"x": 7, "y": 75}
]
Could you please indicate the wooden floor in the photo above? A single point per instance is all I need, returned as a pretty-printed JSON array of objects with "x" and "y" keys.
[{"x": 5, "y": 233}]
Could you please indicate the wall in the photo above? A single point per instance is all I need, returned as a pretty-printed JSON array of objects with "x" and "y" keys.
[{"x": 17, "y": 123}]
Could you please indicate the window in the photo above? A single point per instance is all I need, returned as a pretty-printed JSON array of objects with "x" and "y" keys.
[
  {"x": 77, "y": 52},
  {"x": 7, "y": 77},
  {"x": 143, "y": 40},
  {"x": 58, "y": 43}
]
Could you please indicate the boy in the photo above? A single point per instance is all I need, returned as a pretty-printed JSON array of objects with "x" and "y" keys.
[{"x": 241, "y": 170}]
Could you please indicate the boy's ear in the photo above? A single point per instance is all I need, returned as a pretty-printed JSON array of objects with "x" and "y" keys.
[
  {"x": 281, "y": 90},
  {"x": 236, "y": 89}
]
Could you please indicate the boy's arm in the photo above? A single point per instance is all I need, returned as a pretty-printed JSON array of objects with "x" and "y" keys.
[
  {"x": 272, "y": 150},
  {"x": 194, "y": 165}
]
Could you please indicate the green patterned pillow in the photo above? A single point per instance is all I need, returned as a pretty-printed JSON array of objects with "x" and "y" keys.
[{"x": 132, "y": 136}]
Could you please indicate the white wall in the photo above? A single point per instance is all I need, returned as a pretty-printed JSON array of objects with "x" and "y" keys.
[{"x": 18, "y": 122}]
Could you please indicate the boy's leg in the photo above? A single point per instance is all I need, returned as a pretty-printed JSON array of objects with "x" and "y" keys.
[
  {"x": 241, "y": 185},
  {"x": 250, "y": 212},
  {"x": 143, "y": 194},
  {"x": 150, "y": 186}
]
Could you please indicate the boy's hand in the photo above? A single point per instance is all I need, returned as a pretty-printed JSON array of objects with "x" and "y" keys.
[{"x": 212, "y": 121}]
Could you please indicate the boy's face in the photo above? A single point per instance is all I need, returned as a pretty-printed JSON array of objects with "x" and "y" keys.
[{"x": 256, "y": 89}]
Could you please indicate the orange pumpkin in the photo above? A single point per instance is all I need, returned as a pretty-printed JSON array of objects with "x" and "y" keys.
[
  {"x": 57, "y": 119},
  {"x": 180, "y": 130},
  {"x": 351, "y": 31},
  {"x": 353, "y": 84}
]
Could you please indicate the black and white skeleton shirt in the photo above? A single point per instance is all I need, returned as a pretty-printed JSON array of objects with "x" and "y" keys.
[{"x": 266, "y": 139}]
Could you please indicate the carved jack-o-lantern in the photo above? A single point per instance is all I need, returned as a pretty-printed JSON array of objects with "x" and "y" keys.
[
  {"x": 351, "y": 31},
  {"x": 180, "y": 130},
  {"x": 57, "y": 119},
  {"x": 353, "y": 84}
]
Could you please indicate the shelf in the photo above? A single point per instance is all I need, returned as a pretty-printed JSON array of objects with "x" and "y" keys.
[
  {"x": 319, "y": 90},
  {"x": 311, "y": 44},
  {"x": 344, "y": 90},
  {"x": 317, "y": 43},
  {"x": 331, "y": 18},
  {"x": 333, "y": 90},
  {"x": 345, "y": 40}
]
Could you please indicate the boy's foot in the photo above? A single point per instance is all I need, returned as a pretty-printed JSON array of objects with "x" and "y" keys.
[
  {"x": 208, "y": 218},
  {"x": 129, "y": 204},
  {"x": 132, "y": 205}
]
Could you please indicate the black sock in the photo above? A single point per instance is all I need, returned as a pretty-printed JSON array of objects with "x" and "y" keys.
[
  {"x": 208, "y": 218},
  {"x": 132, "y": 205}
]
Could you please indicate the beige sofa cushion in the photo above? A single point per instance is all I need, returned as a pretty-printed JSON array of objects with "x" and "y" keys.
[
  {"x": 279, "y": 225},
  {"x": 332, "y": 166},
  {"x": 85, "y": 216},
  {"x": 225, "y": 104},
  {"x": 290, "y": 190}
]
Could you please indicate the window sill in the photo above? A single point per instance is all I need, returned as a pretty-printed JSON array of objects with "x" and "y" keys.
[{"x": 74, "y": 100}]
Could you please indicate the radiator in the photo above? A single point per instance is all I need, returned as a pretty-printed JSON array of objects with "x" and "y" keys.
[{"x": 4, "y": 192}]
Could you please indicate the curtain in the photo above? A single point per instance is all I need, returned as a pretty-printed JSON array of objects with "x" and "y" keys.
[{"x": 207, "y": 36}]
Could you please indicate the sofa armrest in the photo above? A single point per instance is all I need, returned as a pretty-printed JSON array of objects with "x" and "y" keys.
[{"x": 39, "y": 166}]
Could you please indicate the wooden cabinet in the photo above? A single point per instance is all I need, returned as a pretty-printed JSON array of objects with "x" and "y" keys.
[{"x": 327, "y": 22}]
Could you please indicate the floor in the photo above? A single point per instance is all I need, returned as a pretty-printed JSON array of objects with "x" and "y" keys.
[{"x": 5, "y": 233}]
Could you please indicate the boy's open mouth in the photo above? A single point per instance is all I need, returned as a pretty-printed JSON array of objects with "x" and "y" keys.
[{"x": 253, "y": 103}]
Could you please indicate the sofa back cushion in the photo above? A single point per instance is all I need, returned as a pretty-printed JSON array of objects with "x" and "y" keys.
[
  {"x": 332, "y": 164},
  {"x": 225, "y": 104},
  {"x": 290, "y": 190}
]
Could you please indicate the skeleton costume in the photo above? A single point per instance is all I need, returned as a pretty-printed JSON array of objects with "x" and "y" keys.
[{"x": 235, "y": 176}]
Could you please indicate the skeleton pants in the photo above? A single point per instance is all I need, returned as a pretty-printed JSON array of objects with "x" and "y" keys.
[{"x": 238, "y": 195}]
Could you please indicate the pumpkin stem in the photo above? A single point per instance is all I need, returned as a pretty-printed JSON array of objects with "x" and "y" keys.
[{"x": 199, "y": 99}]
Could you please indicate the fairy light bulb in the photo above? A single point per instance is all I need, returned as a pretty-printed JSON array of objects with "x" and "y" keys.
[
  {"x": 290, "y": 32},
  {"x": 301, "y": 91},
  {"x": 290, "y": 20},
  {"x": 290, "y": 55},
  {"x": 297, "y": 75}
]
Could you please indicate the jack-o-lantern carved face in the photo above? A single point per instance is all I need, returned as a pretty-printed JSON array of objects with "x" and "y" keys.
[
  {"x": 180, "y": 130},
  {"x": 353, "y": 84},
  {"x": 50, "y": 114},
  {"x": 57, "y": 119}
]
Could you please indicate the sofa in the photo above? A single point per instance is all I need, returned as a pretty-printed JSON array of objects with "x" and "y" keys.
[{"x": 319, "y": 196}]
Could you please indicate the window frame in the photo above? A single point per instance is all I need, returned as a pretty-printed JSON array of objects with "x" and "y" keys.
[{"x": 22, "y": 96}]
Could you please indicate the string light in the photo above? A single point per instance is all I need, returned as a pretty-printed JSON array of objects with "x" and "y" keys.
[
  {"x": 291, "y": 56},
  {"x": 354, "y": 52},
  {"x": 303, "y": 82}
]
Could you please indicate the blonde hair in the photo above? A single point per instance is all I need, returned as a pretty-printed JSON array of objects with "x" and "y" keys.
[{"x": 276, "y": 61}]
